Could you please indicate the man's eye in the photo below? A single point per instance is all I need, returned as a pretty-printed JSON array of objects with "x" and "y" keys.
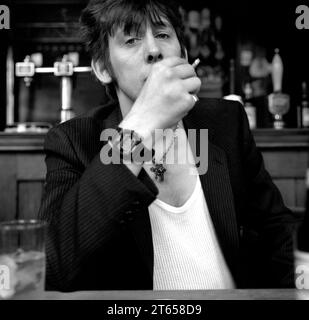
[
  {"x": 163, "y": 36},
  {"x": 131, "y": 41}
]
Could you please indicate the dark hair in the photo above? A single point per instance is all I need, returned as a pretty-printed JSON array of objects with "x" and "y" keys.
[{"x": 101, "y": 19}]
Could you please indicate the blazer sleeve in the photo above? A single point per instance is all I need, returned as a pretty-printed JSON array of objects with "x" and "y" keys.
[
  {"x": 84, "y": 207},
  {"x": 267, "y": 212}
]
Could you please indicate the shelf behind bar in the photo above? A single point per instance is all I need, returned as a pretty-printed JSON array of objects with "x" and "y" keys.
[
  {"x": 19, "y": 142},
  {"x": 285, "y": 138}
]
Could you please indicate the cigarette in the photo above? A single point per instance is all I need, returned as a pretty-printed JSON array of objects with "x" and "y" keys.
[{"x": 196, "y": 63}]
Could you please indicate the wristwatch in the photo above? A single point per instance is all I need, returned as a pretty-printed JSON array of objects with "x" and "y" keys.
[{"x": 129, "y": 146}]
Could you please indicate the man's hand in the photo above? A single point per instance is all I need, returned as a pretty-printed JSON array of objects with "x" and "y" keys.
[{"x": 165, "y": 98}]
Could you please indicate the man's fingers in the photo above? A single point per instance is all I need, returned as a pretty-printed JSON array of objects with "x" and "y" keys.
[
  {"x": 192, "y": 85},
  {"x": 173, "y": 61},
  {"x": 185, "y": 71}
]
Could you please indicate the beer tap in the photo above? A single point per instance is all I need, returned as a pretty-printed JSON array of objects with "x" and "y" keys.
[
  {"x": 65, "y": 69},
  {"x": 27, "y": 68}
]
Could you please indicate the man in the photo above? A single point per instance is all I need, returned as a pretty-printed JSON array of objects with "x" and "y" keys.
[{"x": 155, "y": 225}]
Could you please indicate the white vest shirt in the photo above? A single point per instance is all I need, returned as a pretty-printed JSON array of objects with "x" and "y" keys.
[{"x": 187, "y": 255}]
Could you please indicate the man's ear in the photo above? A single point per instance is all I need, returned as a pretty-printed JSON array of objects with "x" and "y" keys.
[{"x": 101, "y": 73}]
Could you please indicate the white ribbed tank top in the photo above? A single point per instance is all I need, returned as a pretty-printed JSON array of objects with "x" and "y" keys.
[{"x": 187, "y": 255}]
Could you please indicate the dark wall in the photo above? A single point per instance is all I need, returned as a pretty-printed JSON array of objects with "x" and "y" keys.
[{"x": 269, "y": 24}]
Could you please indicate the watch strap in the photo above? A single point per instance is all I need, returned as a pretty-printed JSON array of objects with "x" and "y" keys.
[{"x": 129, "y": 144}]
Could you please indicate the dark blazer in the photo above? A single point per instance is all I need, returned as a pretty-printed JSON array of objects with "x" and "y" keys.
[{"x": 99, "y": 229}]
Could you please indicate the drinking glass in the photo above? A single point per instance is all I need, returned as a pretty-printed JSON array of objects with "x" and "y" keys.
[{"x": 22, "y": 257}]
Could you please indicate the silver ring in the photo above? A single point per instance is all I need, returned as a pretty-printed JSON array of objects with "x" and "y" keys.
[{"x": 195, "y": 98}]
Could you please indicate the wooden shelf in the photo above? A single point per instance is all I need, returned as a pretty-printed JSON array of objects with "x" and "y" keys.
[
  {"x": 286, "y": 138},
  {"x": 21, "y": 142}
]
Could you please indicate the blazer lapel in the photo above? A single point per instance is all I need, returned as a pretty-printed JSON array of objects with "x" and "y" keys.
[
  {"x": 114, "y": 117},
  {"x": 217, "y": 189}
]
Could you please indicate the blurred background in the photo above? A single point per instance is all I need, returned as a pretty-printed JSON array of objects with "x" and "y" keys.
[
  {"x": 242, "y": 46},
  {"x": 223, "y": 34}
]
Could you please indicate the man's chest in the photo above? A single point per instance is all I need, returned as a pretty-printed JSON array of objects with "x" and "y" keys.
[{"x": 178, "y": 184}]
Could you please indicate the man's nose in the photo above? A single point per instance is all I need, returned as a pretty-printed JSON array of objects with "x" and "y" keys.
[{"x": 153, "y": 51}]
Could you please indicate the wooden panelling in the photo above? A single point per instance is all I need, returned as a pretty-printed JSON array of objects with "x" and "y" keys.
[
  {"x": 287, "y": 189},
  {"x": 22, "y": 174},
  {"x": 300, "y": 193},
  {"x": 29, "y": 199},
  {"x": 30, "y": 167},
  {"x": 21, "y": 183},
  {"x": 8, "y": 194},
  {"x": 287, "y": 164},
  {"x": 286, "y": 157}
]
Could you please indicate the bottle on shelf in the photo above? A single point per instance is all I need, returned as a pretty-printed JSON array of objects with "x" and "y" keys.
[
  {"x": 278, "y": 102},
  {"x": 249, "y": 107},
  {"x": 277, "y": 71},
  {"x": 304, "y": 106},
  {"x": 232, "y": 95}
]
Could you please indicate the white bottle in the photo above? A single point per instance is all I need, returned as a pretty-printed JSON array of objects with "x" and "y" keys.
[{"x": 277, "y": 71}]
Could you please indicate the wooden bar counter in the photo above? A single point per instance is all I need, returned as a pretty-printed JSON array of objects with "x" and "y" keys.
[
  {"x": 22, "y": 169},
  {"x": 22, "y": 174},
  {"x": 238, "y": 294}
]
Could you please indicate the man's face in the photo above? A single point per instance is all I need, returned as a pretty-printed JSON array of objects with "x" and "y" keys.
[{"x": 132, "y": 57}]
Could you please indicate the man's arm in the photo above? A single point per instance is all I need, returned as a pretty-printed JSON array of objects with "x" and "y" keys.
[
  {"x": 84, "y": 206},
  {"x": 266, "y": 210}
]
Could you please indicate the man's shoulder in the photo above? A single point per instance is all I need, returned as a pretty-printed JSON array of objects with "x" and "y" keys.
[
  {"x": 217, "y": 113},
  {"x": 89, "y": 122},
  {"x": 83, "y": 132},
  {"x": 225, "y": 120},
  {"x": 217, "y": 106}
]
